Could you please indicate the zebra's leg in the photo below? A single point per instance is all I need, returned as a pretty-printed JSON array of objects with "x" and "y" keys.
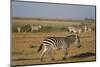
[
  {"x": 50, "y": 53},
  {"x": 65, "y": 54},
  {"x": 44, "y": 51}
]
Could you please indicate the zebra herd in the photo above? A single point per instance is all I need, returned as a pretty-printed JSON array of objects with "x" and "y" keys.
[
  {"x": 80, "y": 28},
  {"x": 69, "y": 28},
  {"x": 29, "y": 28}
]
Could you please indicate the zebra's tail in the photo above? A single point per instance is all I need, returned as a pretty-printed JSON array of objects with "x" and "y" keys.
[{"x": 39, "y": 48}]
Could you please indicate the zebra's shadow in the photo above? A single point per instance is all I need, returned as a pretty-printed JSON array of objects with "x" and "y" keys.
[{"x": 84, "y": 55}]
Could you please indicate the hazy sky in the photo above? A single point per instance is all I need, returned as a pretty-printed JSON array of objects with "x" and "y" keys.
[{"x": 43, "y": 10}]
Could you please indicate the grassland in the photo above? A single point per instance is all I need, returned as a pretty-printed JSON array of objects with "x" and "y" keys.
[{"x": 25, "y": 45}]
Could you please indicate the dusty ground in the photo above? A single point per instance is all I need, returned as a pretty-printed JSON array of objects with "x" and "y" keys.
[{"x": 25, "y": 46}]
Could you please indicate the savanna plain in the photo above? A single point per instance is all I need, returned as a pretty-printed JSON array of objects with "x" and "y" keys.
[{"x": 24, "y": 45}]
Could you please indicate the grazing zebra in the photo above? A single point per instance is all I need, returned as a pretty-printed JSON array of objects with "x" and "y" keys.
[
  {"x": 53, "y": 43},
  {"x": 85, "y": 28},
  {"x": 27, "y": 28},
  {"x": 75, "y": 29},
  {"x": 72, "y": 29},
  {"x": 35, "y": 28},
  {"x": 18, "y": 29},
  {"x": 89, "y": 29}
]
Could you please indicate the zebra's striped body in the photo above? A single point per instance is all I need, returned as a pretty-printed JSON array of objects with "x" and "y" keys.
[{"x": 53, "y": 43}]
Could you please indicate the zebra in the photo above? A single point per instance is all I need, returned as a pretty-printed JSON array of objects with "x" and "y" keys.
[
  {"x": 75, "y": 29},
  {"x": 35, "y": 28},
  {"x": 27, "y": 28},
  {"x": 85, "y": 28},
  {"x": 18, "y": 29},
  {"x": 89, "y": 29},
  {"x": 54, "y": 43}
]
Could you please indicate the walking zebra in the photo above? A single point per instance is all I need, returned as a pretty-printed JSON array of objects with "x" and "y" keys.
[{"x": 53, "y": 43}]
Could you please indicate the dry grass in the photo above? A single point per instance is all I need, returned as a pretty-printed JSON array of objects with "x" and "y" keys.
[{"x": 25, "y": 46}]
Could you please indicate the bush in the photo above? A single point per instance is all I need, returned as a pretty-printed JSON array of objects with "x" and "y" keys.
[{"x": 14, "y": 28}]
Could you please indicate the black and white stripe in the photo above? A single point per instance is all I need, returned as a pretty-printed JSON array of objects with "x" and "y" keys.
[{"x": 53, "y": 43}]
